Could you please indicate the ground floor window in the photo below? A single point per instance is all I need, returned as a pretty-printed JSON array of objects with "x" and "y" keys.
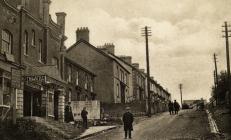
[
  {"x": 5, "y": 95},
  {"x": 50, "y": 104}
]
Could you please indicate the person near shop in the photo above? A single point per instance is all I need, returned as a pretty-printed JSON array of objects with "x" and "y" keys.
[
  {"x": 84, "y": 114},
  {"x": 68, "y": 113},
  {"x": 176, "y": 107},
  {"x": 170, "y": 107}
]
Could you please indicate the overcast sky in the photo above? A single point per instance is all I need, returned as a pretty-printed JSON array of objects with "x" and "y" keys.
[{"x": 185, "y": 34}]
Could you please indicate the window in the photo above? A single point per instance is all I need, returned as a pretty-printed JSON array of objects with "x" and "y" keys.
[
  {"x": 6, "y": 42},
  {"x": 118, "y": 72},
  {"x": 69, "y": 96},
  {"x": 86, "y": 82},
  {"x": 55, "y": 62},
  {"x": 25, "y": 43},
  {"x": 118, "y": 90},
  {"x": 126, "y": 78},
  {"x": 40, "y": 50},
  {"x": 5, "y": 89},
  {"x": 91, "y": 86},
  {"x": 69, "y": 73},
  {"x": 77, "y": 78},
  {"x": 33, "y": 38}
]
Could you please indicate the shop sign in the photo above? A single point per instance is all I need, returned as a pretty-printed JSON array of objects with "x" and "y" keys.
[{"x": 35, "y": 78}]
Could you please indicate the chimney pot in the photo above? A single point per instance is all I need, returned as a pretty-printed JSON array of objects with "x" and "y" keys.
[{"x": 82, "y": 33}]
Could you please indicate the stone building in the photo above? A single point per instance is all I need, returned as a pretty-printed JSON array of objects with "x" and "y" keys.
[
  {"x": 80, "y": 81},
  {"x": 159, "y": 97},
  {"x": 111, "y": 83},
  {"x": 31, "y": 46}
]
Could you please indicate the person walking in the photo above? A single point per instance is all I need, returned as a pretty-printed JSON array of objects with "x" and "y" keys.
[
  {"x": 176, "y": 106},
  {"x": 170, "y": 107},
  {"x": 68, "y": 113},
  {"x": 84, "y": 114},
  {"x": 128, "y": 120}
]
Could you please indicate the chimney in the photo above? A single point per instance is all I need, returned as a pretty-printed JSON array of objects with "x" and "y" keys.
[
  {"x": 127, "y": 59},
  {"x": 61, "y": 20},
  {"x": 108, "y": 48},
  {"x": 82, "y": 33},
  {"x": 46, "y": 5},
  {"x": 136, "y": 65}
]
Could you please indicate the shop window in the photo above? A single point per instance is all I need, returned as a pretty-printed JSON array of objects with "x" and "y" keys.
[
  {"x": 91, "y": 86},
  {"x": 33, "y": 38},
  {"x": 25, "y": 45},
  {"x": 50, "y": 104},
  {"x": 6, "y": 42},
  {"x": 5, "y": 88}
]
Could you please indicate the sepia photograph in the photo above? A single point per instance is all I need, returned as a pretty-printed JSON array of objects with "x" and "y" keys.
[{"x": 115, "y": 69}]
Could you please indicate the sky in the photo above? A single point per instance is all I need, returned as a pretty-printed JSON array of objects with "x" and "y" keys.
[{"x": 185, "y": 34}]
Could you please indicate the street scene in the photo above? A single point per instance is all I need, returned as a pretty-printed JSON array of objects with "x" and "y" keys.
[
  {"x": 189, "y": 124},
  {"x": 112, "y": 70}
]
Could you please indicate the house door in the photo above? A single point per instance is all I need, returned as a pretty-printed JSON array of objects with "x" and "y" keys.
[
  {"x": 122, "y": 93},
  {"x": 56, "y": 105}
]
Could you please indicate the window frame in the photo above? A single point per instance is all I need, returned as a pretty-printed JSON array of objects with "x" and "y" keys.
[
  {"x": 26, "y": 43},
  {"x": 9, "y": 42}
]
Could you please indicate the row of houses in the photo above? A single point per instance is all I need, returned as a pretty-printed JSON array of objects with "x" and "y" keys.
[{"x": 39, "y": 75}]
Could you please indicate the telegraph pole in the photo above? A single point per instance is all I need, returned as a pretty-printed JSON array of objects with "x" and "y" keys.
[
  {"x": 226, "y": 36},
  {"x": 181, "y": 86},
  {"x": 146, "y": 31},
  {"x": 215, "y": 64},
  {"x": 215, "y": 76}
]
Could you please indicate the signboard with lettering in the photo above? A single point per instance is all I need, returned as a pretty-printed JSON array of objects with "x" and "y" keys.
[
  {"x": 35, "y": 78},
  {"x": 16, "y": 75},
  {"x": 92, "y": 107}
]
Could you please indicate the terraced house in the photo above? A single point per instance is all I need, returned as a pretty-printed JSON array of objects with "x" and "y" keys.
[{"x": 111, "y": 82}]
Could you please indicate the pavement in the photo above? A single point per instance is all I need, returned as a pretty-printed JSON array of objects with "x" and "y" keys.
[{"x": 188, "y": 124}]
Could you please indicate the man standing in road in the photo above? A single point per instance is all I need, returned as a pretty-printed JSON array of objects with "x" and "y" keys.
[
  {"x": 84, "y": 114},
  {"x": 176, "y": 106},
  {"x": 128, "y": 120}
]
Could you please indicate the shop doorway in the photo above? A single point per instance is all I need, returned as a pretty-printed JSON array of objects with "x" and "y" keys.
[{"x": 32, "y": 102}]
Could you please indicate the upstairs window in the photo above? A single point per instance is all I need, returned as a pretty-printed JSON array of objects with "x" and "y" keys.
[
  {"x": 77, "y": 78},
  {"x": 69, "y": 74},
  {"x": 33, "y": 38},
  {"x": 86, "y": 82},
  {"x": 55, "y": 62},
  {"x": 26, "y": 43},
  {"x": 40, "y": 51},
  {"x": 6, "y": 42}
]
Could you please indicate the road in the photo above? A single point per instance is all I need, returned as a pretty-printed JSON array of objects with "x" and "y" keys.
[{"x": 188, "y": 124}]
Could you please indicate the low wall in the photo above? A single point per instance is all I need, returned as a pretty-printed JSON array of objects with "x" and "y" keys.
[{"x": 117, "y": 110}]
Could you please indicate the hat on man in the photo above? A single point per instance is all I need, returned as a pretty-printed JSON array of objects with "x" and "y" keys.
[{"x": 127, "y": 108}]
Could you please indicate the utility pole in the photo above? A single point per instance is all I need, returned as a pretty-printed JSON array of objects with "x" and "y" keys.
[
  {"x": 181, "y": 86},
  {"x": 226, "y": 36},
  {"x": 215, "y": 77},
  {"x": 146, "y": 31},
  {"x": 215, "y": 64}
]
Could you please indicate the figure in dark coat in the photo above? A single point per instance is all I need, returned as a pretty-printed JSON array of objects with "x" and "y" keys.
[
  {"x": 68, "y": 113},
  {"x": 170, "y": 107},
  {"x": 84, "y": 114},
  {"x": 176, "y": 106},
  {"x": 128, "y": 120}
]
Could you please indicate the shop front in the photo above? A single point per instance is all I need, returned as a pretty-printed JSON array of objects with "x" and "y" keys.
[{"x": 43, "y": 96}]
